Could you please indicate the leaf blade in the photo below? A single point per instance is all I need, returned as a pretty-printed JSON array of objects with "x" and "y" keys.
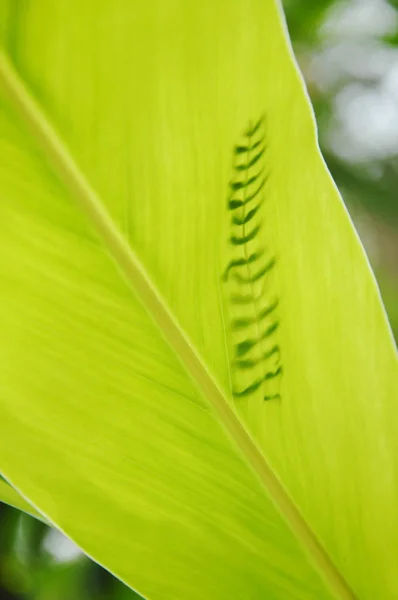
[
  {"x": 136, "y": 276},
  {"x": 272, "y": 444},
  {"x": 9, "y": 496}
]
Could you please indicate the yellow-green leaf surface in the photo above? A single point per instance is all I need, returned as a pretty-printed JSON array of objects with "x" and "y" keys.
[
  {"x": 117, "y": 414},
  {"x": 11, "y": 497}
]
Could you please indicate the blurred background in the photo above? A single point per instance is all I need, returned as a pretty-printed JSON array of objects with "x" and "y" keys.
[{"x": 348, "y": 53}]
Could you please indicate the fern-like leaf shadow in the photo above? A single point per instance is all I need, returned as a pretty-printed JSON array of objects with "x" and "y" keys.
[{"x": 247, "y": 272}]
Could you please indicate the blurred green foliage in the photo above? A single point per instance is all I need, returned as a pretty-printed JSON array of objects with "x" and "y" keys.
[{"x": 37, "y": 563}]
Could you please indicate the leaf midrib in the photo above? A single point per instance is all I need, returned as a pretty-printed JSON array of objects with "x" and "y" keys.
[{"x": 126, "y": 259}]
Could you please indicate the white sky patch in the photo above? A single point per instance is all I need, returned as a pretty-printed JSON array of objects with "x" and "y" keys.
[
  {"x": 390, "y": 82},
  {"x": 366, "y": 123},
  {"x": 358, "y": 18},
  {"x": 365, "y": 59},
  {"x": 61, "y": 548}
]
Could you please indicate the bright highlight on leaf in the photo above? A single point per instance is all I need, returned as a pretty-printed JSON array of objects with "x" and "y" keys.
[{"x": 147, "y": 312}]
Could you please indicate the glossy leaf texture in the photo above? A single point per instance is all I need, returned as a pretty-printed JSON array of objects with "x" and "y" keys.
[{"x": 133, "y": 141}]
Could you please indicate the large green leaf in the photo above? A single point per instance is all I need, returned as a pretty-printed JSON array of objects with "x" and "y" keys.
[
  {"x": 118, "y": 127},
  {"x": 11, "y": 497}
]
